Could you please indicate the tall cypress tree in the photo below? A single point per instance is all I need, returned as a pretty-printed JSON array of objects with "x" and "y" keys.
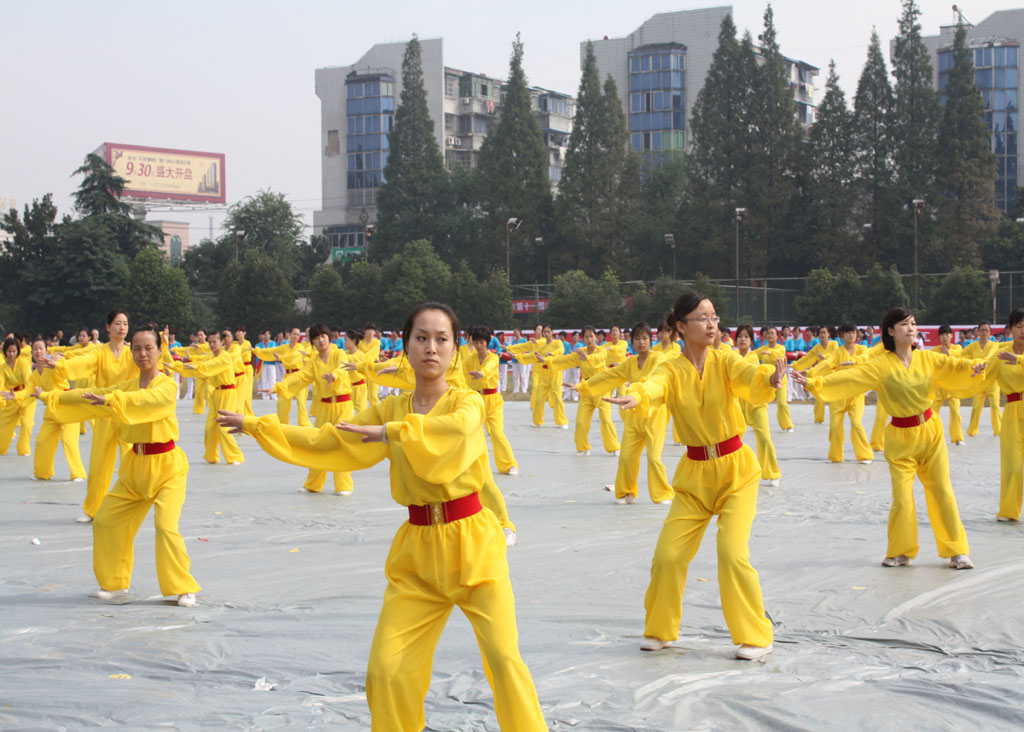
[
  {"x": 415, "y": 173},
  {"x": 769, "y": 182},
  {"x": 590, "y": 195},
  {"x": 874, "y": 147},
  {"x": 915, "y": 127},
  {"x": 513, "y": 180},
  {"x": 831, "y": 153},
  {"x": 966, "y": 174}
]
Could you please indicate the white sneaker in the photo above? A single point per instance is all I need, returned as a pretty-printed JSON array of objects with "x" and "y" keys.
[
  {"x": 961, "y": 561},
  {"x": 562, "y": 426},
  {"x": 583, "y": 453},
  {"x": 748, "y": 652},
  {"x": 653, "y": 644},
  {"x": 343, "y": 493},
  {"x": 609, "y": 487},
  {"x": 237, "y": 462},
  {"x": 78, "y": 480},
  {"x": 666, "y": 502},
  {"x": 627, "y": 500},
  {"x": 774, "y": 482},
  {"x": 187, "y": 599},
  {"x": 1003, "y": 518},
  {"x": 960, "y": 443},
  {"x": 116, "y": 597},
  {"x": 865, "y": 462},
  {"x": 789, "y": 430},
  {"x": 510, "y": 537},
  {"x": 614, "y": 454},
  {"x": 901, "y": 561},
  {"x": 513, "y": 471},
  {"x": 83, "y": 519}
]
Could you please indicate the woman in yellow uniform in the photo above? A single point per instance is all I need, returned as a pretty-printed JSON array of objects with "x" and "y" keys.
[
  {"x": 640, "y": 431},
  {"x": 51, "y": 432},
  {"x": 332, "y": 392},
  {"x": 449, "y": 553},
  {"x": 245, "y": 384},
  {"x": 770, "y": 352},
  {"x": 956, "y": 423},
  {"x": 106, "y": 365},
  {"x": 591, "y": 360},
  {"x": 481, "y": 372},
  {"x": 1007, "y": 369},
  {"x": 819, "y": 353},
  {"x": 843, "y": 357},
  {"x": 194, "y": 352},
  {"x": 984, "y": 348},
  {"x": 153, "y": 473},
  {"x": 757, "y": 415},
  {"x": 14, "y": 376},
  {"x": 669, "y": 347},
  {"x": 292, "y": 356},
  {"x": 718, "y": 476},
  {"x": 547, "y": 383},
  {"x": 369, "y": 346},
  {"x": 218, "y": 372},
  {"x": 905, "y": 378}
]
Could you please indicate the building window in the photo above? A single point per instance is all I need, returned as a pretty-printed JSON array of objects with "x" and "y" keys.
[
  {"x": 657, "y": 100},
  {"x": 333, "y": 144},
  {"x": 370, "y": 108}
]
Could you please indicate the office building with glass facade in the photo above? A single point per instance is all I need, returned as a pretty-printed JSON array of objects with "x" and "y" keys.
[
  {"x": 357, "y": 113},
  {"x": 660, "y": 68},
  {"x": 995, "y": 46}
]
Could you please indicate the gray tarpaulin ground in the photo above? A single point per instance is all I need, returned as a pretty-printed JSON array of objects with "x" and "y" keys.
[{"x": 292, "y": 585}]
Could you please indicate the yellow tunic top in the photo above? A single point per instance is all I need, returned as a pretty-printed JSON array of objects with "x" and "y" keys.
[
  {"x": 143, "y": 415},
  {"x": 976, "y": 350},
  {"x": 246, "y": 348},
  {"x": 291, "y": 357},
  {"x": 435, "y": 457},
  {"x": 370, "y": 348},
  {"x": 313, "y": 372},
  {"x": 405, "y": 377},
  {"x": 816, "y": 354},
  {"x": 706, "y": 409},
  {"x": 217, "y": 370},
  {"x": 594, "y": 364},
  {"x": 489, "y": 368},
  {"x": 46, "y": 380},
  {"x": 839, "y": 358},
  {"x": 629, "y": 370},
  {"x": 1010, "y": 377},
  {"x": 100, "y": 364},
  {"x": 904, "y": 392},
  {"x": 767, "y": 355},
  {"x": 955, "y": 351},
  {"x": 619, "y": 350},
  {"x": 672, "y": 348},
  {"x": 17, "y": 376}
]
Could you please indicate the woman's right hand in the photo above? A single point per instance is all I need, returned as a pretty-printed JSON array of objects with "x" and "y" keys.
[{"x": 626, "y": 402}]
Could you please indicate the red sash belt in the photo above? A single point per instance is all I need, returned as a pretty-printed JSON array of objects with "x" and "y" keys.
[
  {"x": 336, "y": 399},
  {"x": 444, "y": 513},
  {"x": 544, "y": 366},
  {"x": 152, "y": 448},
  {"x": 290, "y": 371},
  {"x": 227, "y": 386},
  {"x": 1014, "y": 397},
  {"x": 359, "y": 383},
  {"x": 707, "y": 452},
  {"x": 485, "y": 392},
  {"x": 914, "y": 421},
  {"x": 18, "y": 388},
  {"x": 241, "y": 373}
]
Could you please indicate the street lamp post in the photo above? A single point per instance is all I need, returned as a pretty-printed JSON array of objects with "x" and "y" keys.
[
  {"x": 510, "y": 226},
  {"x": 364, "y": 217},
  {"x": 918, "y": 205},
  {"x": 539, "y": 241},
  {"x": 670, "y": 239},
  {"x": 239, "y": 238},
  {"x": 740, "y": 213},
  {"x": 993, "y": 277},
  {"x": 368, "y": 233}
]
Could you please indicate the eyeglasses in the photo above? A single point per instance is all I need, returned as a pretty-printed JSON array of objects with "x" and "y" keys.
[{"x": 704, "y": 319}]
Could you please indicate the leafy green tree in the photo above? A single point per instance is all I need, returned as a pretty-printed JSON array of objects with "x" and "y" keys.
[
  {"x": 578, "y": 299},
  {"x": 873, "y": 135},
  {"x": 915, "y": 128},
  {"x": 881, "y": 290},
  {"x": 513, "y": 181},
  {"x": 255, "y": 290},
  {"x": 830, "y": 296},
  {"x": 479, "y": 301},
  {"x": 652, "y": 304},
  {"x": 831, "y": 152},
  {"x": 266, "y": 223},
  {"x": 416, "y": 182},
  {"x": 365, "y": 295},
  {"x": 327, "y": 295},
  {"x": 590, "y": 202},
  {"x": 654, "y": 213},
  {"x": 204, "y": 265},
  {"x": 159, "y": 293},
  {"x": 966, "y": 210},
  {"x": 1004, "y": 249},
  {"x": 965, "y": 296},
  {"x": 415, "y": 275},
  {"x": 769, "y": 182},
  {"x": 30, "y": 247}
]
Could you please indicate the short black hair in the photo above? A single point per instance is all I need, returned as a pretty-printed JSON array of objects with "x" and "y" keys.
[{"x": 894, "y": 316}]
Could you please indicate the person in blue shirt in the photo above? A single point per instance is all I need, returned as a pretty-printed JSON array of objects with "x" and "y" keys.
[{"x": 337, "y": 337}]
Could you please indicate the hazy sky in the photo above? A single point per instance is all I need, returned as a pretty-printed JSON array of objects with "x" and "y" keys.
[{"x": 238, "y": 78}]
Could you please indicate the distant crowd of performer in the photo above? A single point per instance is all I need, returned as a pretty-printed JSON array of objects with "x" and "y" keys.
[{"x": 425, "y": 398}]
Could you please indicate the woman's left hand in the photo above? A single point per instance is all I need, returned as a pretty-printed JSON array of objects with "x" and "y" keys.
[
  {"x": 97, "y": 400},
  {"x": 780, "y": 372},
  {"x": 370, "y": 432}
]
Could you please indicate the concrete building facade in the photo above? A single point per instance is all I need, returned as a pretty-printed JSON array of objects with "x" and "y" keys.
[
  {"x": 660, "y": 68},
  {"x": 357, "y": 108},
  {"x": 995, "y": 44}
]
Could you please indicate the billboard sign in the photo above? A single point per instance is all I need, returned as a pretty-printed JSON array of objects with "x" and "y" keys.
[
  {"x": 162, "y": 173},
  {"x": 342, "y": 254}
]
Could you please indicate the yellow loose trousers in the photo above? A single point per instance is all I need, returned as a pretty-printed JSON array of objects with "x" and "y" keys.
[
  {"x": 199, "y": 395},
  {"x": 956, "y": 422},
  {"x": 921, "y": 451},
  {"x": 757, "y": 418},
  {"x": 1011, "y": 458},
  {"x": 819, "y": 411},
  {"x": 547, "y": 390},
  {"x": 217, "y": 436},
  {"x": 978, "y": 406},
  {"x": 330, "y": 413},
  {"x": 854, "y": 409},
  {"x": 726, "y": 487},
  {"x": 782, "y": 414},
  {"x": 585, "y": 415},
  {"x": 494, "y": 422},
  {"x": 430, "y": 570},
  {"x": 878, "y": 430},
  {"x": 50, "y": 434},
  {"x": 106, "y": 443},
  {"x": 640, "y": 432},
  {"x": 22, "y": 417},
  {"x": 143, "y": 481},
  {"x": 284, "y": 408}
]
